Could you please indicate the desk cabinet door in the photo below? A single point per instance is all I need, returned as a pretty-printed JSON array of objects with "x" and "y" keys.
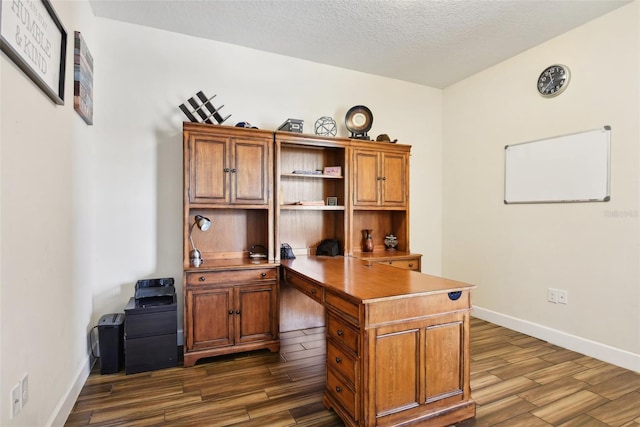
[
  {"x": 418, "y": 367},
  {"x": 209, "y": 314},
  {"x": 256, "y": 318}
]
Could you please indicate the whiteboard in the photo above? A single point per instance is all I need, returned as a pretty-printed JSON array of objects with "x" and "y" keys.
[{"x": 570, "y": 168}]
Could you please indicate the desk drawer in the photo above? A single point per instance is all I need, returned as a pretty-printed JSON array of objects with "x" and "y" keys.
[
  {"x": 231, "y": 276},
  {"x": 339, "y": 331},
  {"x": 407, "y": 264},
  {"x": 342, "y": 362},
  {"x": 311, "y": 289},
  {"x": 342, "y": 393}
]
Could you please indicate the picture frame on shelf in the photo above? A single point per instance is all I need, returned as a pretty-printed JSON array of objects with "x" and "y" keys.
[
  {"x": 332, "y": 201},
  {"x": 332, "y": 170},
  {"x": 33, "y": 37}
]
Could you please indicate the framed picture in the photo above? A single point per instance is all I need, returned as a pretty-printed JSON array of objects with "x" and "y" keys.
[
  {"x": 332, "y": 170},
  {"x": 332, "y": 201},
  {"x": 82, "y": 79},
  {"x": 33, "y": 37}
]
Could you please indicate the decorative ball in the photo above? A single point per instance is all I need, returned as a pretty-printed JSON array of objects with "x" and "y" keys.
[{"x": 326, "y": 126}]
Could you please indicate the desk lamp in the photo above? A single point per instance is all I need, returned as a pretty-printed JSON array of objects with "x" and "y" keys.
[{"x": 203, "y": 224}]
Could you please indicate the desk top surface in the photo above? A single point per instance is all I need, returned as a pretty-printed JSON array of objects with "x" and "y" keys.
[{"x": 370, "y": 283}]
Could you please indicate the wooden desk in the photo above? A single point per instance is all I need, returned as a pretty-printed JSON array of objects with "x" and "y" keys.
[{"x": 397, "y": 341}]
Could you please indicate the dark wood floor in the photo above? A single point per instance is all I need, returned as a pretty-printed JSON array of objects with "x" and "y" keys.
[{"x": 516, "y": 380}]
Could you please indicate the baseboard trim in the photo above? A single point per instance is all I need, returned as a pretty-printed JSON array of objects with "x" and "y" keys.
[
  {"x": 65, "y": 405},
  {"x": 606, "y": 353}
]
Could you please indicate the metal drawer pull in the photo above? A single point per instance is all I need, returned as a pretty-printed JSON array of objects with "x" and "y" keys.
[
  {"x": 263, "y": 274},
  {"x": 238, "y": 312},
  {"x": 234, "y": 170},
  {"x": 338, "y": 360},
  {"x": 338, "y": 389},
  {"x": 202, "y": 278},
  {"x": 230, "y": 311},
  {"x": 226, "y": 169},
  {"x": 340, "y": 333}
]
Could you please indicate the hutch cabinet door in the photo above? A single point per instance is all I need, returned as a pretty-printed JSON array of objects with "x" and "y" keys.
[
  {"x": 380, "y": 178},
  {"x": 209, "y": 318},
  {"x": 250, "y": 171},
  {"x": 367, "y": 175},
  {"x": 256, "y": 318},
  {"x": 394, "y": 183},
  {"x": 208, "y": 179}
]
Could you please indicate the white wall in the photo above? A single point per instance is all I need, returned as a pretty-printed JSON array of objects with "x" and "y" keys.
[
  {"x": 47, "y": 237},
  {"x": 515, "y": 252}
]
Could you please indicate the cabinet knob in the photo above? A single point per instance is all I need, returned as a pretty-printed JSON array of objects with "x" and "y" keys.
[
  {"x": 237, "y": 311},
  {"x": 338, "y": 360},
  {"x": 384, "y": 178},
  {"x": 340, "y": 333},
  {"x": 226, "y": 169},
  {"x": 230, "y": 311},
  {"x": 390, "y": 262},
  {"x": 313, "y": 290},
  {"x": 234, "y": 170},
  {"x": 338, "y": 389},
  {"x": 410, "y": 265},
  {"x": 263, "y": 274},
  {"x": 202, "y": 278}
]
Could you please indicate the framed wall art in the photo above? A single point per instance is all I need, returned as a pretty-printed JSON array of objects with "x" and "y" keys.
[
  {"x": 32, "y": 35},
  {"x": 82, "y": 79}
]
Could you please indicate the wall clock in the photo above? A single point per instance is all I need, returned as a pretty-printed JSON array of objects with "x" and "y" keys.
[{"x": 553, "y": 80}]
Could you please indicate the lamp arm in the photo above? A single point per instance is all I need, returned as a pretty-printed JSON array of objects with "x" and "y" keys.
[{"x": 191, "y": 236}]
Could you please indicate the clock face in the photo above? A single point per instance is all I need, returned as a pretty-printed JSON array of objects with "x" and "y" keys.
[{"x": 553, "y": 81}]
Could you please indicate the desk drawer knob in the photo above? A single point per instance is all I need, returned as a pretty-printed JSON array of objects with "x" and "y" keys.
[
  {"x": 313, "y": 291},
  {"x": 202, "y": 278},
  {"x": 340, "y": 332},
  {"x": 410, "y": 265},
  {"x": 338, "y": 360},
  {"x": 455, "y": 295},
  {"x": 338, "y": 389},
  {"x": 263, "y": 275}
]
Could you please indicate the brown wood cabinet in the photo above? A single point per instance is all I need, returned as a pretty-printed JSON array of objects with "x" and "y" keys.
[
  {"x": 380, "y": 178},
  {"x": 227, "y": 166},
  {"x": 397, "y": 342},
  {"x": 231, "y": 301},
  {"x": 230, "y": 310}
]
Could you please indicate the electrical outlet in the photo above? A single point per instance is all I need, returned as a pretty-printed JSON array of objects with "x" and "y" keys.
[
  {"x": 562, "y": 296},
  {"x": 24, "y": 387},
  {"x": 16, "y": 400},
  {"x": 552, "y": 295}
]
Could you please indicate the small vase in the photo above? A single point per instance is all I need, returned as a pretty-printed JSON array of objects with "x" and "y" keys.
[{"x": 367, "y": 245}]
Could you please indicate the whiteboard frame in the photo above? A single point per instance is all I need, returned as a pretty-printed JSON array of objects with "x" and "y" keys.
[{"x": 605, "y": 198}]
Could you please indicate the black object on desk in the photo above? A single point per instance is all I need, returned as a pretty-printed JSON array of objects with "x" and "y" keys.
[{"x": 150, "y": 332}]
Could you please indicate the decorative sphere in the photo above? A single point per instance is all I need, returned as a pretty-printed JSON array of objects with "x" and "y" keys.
[{"x": 326, "y": 126}]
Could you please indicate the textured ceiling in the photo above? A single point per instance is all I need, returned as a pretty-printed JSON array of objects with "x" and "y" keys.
[{"x": 429, "y": 42}]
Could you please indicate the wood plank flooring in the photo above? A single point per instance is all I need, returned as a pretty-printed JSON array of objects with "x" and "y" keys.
[{"x": 516, "y": 381}]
